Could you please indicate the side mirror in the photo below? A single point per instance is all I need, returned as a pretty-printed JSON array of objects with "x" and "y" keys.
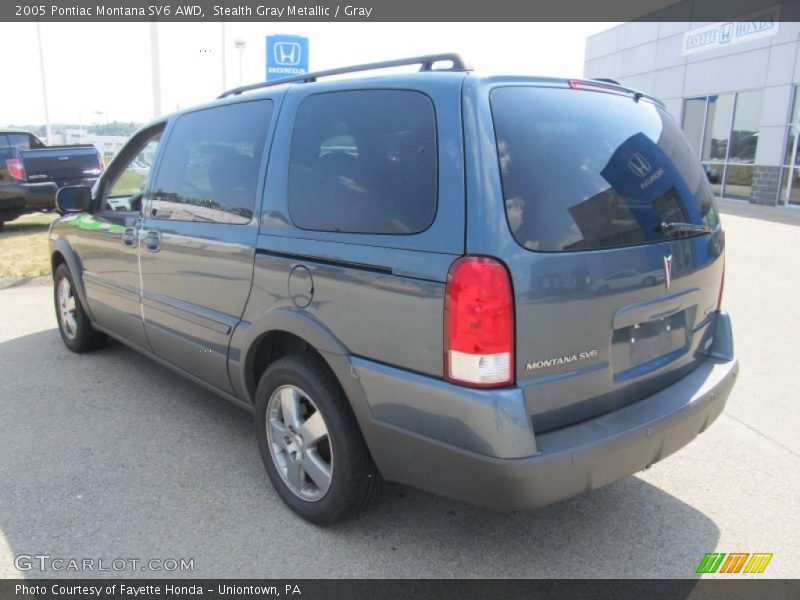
[{"x": 73, "y": 198}]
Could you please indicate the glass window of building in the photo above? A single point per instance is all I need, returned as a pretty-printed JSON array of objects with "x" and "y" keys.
[
  {"x": 790, "y": 177},
  {"x": 744, "y": 138},
  {"x": 694, "y": 116},
  {"x": 718, "y": 127},
  {"x": 726, "y": 126}
]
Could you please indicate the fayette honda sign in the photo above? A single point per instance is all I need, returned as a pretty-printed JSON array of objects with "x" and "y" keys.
[
  {"x": 287, "y": 55},
  {"x": 719, "y": 35}
]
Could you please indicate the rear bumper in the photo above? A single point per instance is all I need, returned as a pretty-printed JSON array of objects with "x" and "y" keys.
[
  {"x": 40, "y": 195},
  {"x": 26, "y": 197},
  {"x": 570, "y": 460}
]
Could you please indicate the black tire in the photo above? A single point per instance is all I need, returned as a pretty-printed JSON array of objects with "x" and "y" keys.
[
  {"x": 84, "y": 337},
  {"x": 354, "y": 480}
]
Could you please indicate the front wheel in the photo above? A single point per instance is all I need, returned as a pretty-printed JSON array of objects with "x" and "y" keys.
[
  {"x": 74, "y": 326},
  {"x": 310, "y": 442}
]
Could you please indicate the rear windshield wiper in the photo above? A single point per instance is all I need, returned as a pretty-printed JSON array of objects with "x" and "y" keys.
[{"x": 668, "y": 228}]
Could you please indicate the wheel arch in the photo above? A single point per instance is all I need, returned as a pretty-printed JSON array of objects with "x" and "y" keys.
[{"x": 277, "y": 333}]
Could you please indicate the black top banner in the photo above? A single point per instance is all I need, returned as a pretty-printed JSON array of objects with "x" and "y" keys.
[{"x": 398, "y": 10}]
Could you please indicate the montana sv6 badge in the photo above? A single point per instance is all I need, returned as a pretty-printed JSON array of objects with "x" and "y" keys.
[{"x": 561, "y": 360}]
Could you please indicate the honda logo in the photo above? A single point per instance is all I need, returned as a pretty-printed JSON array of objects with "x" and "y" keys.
[
  {"x": 725, "y": 33},
  {"x": 668, "y": 270},
  {"x": 638, "y": 164},
  {"x": 287, "y": 53}
]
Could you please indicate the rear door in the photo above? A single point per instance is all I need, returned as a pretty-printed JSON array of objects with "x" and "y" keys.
[
  {"x": 199, "y": 234},
  {"x": 610, "y": 305}
]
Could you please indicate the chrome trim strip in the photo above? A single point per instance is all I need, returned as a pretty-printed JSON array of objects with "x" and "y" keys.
[{"x": 186, "y": 311}]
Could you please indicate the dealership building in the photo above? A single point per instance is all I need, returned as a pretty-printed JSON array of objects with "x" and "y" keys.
[{"x": 733, "y": 86}]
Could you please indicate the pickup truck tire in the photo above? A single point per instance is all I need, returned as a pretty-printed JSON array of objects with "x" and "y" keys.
[
  {"x": 74, "y": 326},
  {"x": 337, "y": 476}
]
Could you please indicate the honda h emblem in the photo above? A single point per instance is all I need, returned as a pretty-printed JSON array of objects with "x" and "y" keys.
[
  {"x": 287, "y": 53},
  {"x": 725, "y": 33},
  {"x": 638, "y": 164},
  {"x": 668, "y": 270}
]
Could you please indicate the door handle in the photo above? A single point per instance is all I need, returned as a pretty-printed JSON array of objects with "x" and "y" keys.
[
  {"x": 152, "y": 240},
  {"x": 129, "y": 237}
]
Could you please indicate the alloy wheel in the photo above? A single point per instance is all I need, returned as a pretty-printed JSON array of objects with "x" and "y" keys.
[
  {"x": 299, "y": 443},
  {"x": 66, "y": 309}
]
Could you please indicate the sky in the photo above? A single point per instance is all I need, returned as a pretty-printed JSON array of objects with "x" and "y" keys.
[{"x": 102, "y": 71}]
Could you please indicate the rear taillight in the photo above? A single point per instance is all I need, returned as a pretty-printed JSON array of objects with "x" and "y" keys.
[
  {"x": 16, "y": 169},
  {"x": 102, "y": 162},
  {"x": 479, "y": 323}
]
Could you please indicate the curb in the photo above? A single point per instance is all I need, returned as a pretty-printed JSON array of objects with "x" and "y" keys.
[{"x": 38, "y": 281}]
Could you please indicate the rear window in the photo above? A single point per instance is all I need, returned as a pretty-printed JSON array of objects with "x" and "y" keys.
[
  {"x": 20, "y": 141},
  {"x": 585, "y": 170}
]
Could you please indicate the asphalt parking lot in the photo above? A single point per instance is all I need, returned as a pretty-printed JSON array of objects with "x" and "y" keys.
[{"x": 108, "y": 455}]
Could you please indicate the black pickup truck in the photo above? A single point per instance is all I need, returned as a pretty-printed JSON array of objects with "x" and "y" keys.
[{"x": 31, "y": 172}]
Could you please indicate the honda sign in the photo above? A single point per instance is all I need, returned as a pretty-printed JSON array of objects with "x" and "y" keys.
[{"x": 287, "y": 55}]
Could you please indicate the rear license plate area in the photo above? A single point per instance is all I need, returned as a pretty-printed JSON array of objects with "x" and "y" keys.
[{"x": 643, "y": 347}]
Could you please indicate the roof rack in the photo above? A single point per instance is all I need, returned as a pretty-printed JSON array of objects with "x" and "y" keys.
[{"x": 426, "y": 64}]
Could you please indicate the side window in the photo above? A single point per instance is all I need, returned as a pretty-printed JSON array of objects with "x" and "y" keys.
[
  {"x": 364, "y": 162},
  {"x": 209, "y": 171},
  {"x": 130, "y": 179}
]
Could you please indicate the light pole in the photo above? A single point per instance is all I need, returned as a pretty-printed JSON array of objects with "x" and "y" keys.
[
  {"x": 101, "y": 113},
  {"x": 224, "y": 57},
  {"x": 240, "y": 45},
  {"x": 155, "y": 65},
  {"x": 44, "y": 86}
]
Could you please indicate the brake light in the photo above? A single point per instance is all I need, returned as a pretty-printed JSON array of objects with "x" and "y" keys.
[
  {"x": 102, "y": 162},
  {"x": 479, "y": 323},
  {"x": 598, "y": 87},
  {"x": 16, "y": 169}
]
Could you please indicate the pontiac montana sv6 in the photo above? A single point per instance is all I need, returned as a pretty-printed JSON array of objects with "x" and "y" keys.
[{"x": 505, "y": 290}]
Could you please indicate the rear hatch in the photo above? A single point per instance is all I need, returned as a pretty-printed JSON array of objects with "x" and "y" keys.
[
  {"x": 611, "y": 306},
  {"x": 62, "y": 164}
]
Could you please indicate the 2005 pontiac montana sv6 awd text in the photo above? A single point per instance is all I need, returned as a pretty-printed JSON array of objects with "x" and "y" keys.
[{"x": 504, "y": 290}]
